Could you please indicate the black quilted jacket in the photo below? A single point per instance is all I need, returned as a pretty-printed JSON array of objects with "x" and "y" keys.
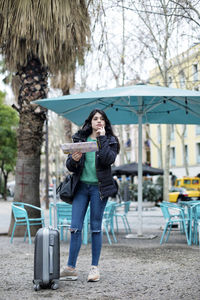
[{"x": 105, "y": 157}]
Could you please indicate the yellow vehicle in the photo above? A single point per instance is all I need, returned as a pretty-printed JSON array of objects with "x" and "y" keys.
[
  {"x": 185, "y": 188},
  {"x": 177, "y": 194},
  {"x": 188, "y": 183}
]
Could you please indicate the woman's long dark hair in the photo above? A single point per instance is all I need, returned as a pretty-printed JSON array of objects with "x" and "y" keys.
[{"x": 87, "y": 126}]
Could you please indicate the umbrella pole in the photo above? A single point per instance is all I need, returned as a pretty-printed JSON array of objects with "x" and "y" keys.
[{"x": 140, "y": 231}]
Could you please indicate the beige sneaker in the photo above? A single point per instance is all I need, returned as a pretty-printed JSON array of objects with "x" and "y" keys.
[
  {"x": 94, "y": 274},
  {"x": 68, "y": 273}
]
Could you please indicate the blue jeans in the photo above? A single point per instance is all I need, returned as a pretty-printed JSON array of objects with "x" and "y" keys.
[{"x": 86, "y": 194}]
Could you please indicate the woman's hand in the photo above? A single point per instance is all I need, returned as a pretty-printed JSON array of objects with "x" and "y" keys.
[
  {"x": 76, "y": 156},
  {"x": 100, "y": 131}
]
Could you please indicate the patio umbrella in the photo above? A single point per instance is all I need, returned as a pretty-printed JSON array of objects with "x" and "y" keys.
[
  {"x": 131, "y": 105},
  {"x": 132, "y": 170}
]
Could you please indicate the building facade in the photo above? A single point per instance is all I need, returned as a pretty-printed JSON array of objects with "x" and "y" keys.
[{"x": 183, "y": 72}]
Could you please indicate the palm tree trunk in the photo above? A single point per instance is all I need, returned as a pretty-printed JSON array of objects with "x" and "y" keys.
[{"x": 30, "y": 137}]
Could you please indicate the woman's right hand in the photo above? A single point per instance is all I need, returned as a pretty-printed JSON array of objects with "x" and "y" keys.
[{"x": 76, "y": 156}]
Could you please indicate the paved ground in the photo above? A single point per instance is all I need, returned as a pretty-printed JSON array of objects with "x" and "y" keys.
[{"x": 131, "y": 269}]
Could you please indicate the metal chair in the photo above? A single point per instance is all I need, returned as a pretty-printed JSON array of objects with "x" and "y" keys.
[
  {"x": 107, "y": 221},
  {"x": 64, "y": 217},
  {"x": 172, "y": 218},
  {"x": 22, "y": 219},
  {"x": 125, "y": 206},
  {"x": 196, "y": 222}
]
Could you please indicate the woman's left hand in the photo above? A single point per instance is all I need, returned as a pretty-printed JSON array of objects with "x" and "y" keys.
[
  {"x": 101, "y": 131},
  {"x": 77, "y": 156}
]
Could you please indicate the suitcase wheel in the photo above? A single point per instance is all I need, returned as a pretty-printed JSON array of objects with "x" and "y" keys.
[
  {"x": 36, "y": 287},
  {"x": 54, "y": 286}
]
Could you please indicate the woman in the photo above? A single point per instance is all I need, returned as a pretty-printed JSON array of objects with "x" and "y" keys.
[{"x": 93, "y": 172}]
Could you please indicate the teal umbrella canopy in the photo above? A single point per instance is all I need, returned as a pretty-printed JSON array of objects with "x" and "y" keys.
[
  {"x": 131, "y": 105},
  {"x": 155, "y": 104}
]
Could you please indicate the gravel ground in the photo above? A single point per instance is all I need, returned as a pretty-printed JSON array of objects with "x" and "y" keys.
[{"x": 131, "y": 269}]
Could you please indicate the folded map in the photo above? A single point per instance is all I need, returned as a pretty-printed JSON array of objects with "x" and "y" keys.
[{"x": 80, "y": 147}]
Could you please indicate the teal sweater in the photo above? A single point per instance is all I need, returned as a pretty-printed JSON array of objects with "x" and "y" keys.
[{"x": 89, "y": 171}]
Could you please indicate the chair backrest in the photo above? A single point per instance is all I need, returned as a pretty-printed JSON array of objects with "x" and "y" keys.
[
  {"x": 109, "y": 211},
  {"x": 196, "y": 210},
  {"x": 64, "y": 212},
  {"x": 19, "y": 212},
  {"x": 171, "y": 210},
  {"x": 165, "y": 210},
  {"x": 126, "y": 206}
]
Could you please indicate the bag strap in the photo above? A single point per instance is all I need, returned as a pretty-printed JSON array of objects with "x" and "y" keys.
[{"x": 58, "y": 188}]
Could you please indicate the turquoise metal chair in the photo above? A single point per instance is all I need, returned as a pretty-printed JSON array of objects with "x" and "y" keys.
[
  {"x": 121, "y": 211},
  {"x": 192, "y": 212},
  {"x": 196, "y": 222},
  {"x": 64, "y": 217},
  {"x": 173, "y": 214},
  {"x": 107, "y": 221},
  {"x": 21, "y": 218}
]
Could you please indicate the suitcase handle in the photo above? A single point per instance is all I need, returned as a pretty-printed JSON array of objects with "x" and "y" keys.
[{"x": 51, "y": 259}]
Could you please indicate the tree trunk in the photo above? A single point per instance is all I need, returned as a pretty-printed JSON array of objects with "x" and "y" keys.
[
  {"x": 68, "y": 130},
  {"x": 122, "y": 151},
  {"x": 67, "y": 123},
  {"x": 160, "y": 148},
  {"x": 182, "y": 137},
  {"x": 30, "y": 137},
  {"x": 5, "y": 186},
  {"x": 166, "y": 169}
]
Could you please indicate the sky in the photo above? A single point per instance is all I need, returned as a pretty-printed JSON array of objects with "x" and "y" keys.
[
  {"x": 102, "y": 78},
  {"x": 7, "y": 89}
]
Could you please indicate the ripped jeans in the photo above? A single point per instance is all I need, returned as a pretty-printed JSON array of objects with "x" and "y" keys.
[{"x": 86, "y": 194}]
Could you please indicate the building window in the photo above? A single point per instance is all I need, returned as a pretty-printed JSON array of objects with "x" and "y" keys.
[
  {"x": 128, "y": 153},
  {"x": 182, "y": 79},
  {"x": 148, "y": 153},
  {"x": 198, "y": 152},
  {"x": 195, "y": 72},
  {"x": 170, "y": 84},
  {"x": 159, "y": 159},
  {"x": 197, "y": 129},
  {"x": 186, "y": 153},
  {"x": 159, "y": 134},
  {"x": 172, "y": 132},
  {"x": 173, "y": 156},
  {"x": 128, "y": 140},
  {"x": 184, "y": 130}
]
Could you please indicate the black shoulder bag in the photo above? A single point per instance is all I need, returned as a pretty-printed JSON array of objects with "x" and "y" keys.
[{"x": 66, "y": 189}]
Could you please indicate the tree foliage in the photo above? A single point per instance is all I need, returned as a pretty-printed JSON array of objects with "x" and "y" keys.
[
  {"x": 57, "y": 32},
  {"x": 8, "y": 141}
]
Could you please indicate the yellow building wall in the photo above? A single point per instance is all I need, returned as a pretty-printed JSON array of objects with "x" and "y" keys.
[
  {"x": 190, "y": 140},
  {"x": 183, "y": 63}
]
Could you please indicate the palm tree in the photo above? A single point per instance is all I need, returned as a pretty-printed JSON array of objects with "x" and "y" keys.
[{"x": 38, "y": 38}]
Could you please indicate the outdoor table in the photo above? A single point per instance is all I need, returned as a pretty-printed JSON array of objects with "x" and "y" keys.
[{"x": 189, "y": 205}]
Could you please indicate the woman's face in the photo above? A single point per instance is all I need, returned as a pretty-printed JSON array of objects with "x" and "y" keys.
[{"x": 97, "y": 121}]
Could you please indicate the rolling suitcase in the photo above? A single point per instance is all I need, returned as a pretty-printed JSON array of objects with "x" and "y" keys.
[
  {"x": 47, "y": 256},
  {"x": 46, "y": 259}
]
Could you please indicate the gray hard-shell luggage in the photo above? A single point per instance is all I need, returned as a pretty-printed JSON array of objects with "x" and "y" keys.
[{"x": 47, "y": 257}]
